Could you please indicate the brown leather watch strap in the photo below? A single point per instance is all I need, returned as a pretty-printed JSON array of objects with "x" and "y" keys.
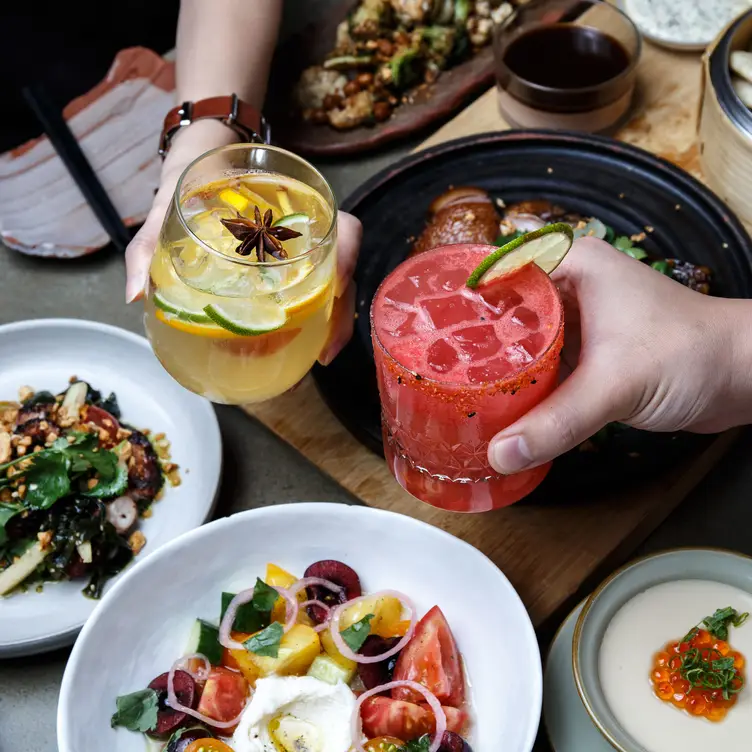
[{"x": 244, "y": 119}]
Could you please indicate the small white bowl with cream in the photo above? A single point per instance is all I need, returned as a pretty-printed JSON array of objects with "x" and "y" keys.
[{"x": 651, "y": 674}]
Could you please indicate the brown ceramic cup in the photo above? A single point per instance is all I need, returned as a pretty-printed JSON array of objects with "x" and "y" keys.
[{"x": 538, "y": 87}]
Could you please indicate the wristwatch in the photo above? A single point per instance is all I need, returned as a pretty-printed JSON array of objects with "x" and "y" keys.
[{"x": 248, "y": 122}]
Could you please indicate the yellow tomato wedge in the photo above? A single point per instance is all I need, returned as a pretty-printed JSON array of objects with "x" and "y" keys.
[
  {"x": 327, "y": 643},
  {"x": 386, "y": 610},
  {"x": 297, "y": 651},
  {"x": 278, "y": 577}
]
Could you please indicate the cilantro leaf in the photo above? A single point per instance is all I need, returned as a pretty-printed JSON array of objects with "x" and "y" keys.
[
  {"x": 46, "y": 480},
  {"x": 662, "y": 266},
  {"x": 266, "y": 642},
  {"x": 108, "y": 487},
  {"x": 7, "y": 512},
  {"x": 137, "y": 711},
  {"x": 622, "y": 243},
  {"x": 355, "y": 635},
  {"x": 625, "y": 245}
]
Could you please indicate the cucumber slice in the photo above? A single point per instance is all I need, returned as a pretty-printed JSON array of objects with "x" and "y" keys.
[
  {"x": 328, "y": 670},
  {"x": 205, "y": 640}
]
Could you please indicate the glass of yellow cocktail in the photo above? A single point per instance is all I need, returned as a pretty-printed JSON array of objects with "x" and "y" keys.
[{"x": 241, "y": 286}]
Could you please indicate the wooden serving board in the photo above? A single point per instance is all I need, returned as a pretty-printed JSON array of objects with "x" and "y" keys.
[{"x": 548, "y": 551}]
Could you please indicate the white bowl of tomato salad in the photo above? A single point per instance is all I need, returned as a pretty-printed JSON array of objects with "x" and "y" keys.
[{"x": 306, "y": 627}]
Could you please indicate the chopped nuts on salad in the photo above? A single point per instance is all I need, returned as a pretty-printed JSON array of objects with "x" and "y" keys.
[{"x": 74, "y": 482}]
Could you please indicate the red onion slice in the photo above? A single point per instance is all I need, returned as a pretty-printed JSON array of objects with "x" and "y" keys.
[
  {"x": 292, "y": 607},
  {"x": 431, "y": 699},
  {"x": 225, "y": 626},
  {"x": 343, "y": 647},
  {"x": 175, "y": 704},
  {"x": 306, "y": 581},
  {"x": 198, "y": 676},
  {"x": 324, "y": 624},
  {"x": 525, "y": 222}
]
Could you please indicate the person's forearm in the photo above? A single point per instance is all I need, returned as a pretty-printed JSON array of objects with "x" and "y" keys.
[{"x": 226, "y": 47}]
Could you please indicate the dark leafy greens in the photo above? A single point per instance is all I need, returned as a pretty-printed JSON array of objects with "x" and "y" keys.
[{"x": 54, "y": 492}]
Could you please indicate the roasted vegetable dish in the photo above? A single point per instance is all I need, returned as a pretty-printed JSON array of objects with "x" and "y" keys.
[
  {"x": 470, "y": 215},
  {"x": 74, "y": 481},
  {"x": 386, "y": 48}
]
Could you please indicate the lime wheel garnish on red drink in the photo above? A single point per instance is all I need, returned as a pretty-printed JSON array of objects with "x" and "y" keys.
[{"x": 546, "y": 247}]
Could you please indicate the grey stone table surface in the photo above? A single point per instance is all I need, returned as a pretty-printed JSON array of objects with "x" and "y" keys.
[{"x": 717, "y": 513}]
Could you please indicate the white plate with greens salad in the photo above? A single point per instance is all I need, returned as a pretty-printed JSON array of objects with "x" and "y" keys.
[{"x": 103, "y": 459}]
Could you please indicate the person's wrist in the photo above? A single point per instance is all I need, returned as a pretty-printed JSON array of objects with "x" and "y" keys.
[
  {"x": 209, "y": 133},
  {"x": 191, "y": 142},
  {"x": 736, "y": 325}
]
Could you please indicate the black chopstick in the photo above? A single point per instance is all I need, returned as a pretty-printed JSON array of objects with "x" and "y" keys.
[{"x": 69, "y": 151}]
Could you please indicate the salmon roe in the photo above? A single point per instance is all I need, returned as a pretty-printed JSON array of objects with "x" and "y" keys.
[{"x": 670, "y": 686}]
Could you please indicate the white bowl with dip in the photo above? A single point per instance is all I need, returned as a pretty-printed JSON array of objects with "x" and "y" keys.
[
  {"x": 630, "y": 618},
  {"x": 683, "y": 25}
]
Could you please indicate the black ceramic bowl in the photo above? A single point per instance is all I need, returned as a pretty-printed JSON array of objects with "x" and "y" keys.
[{"x": 625, "y": 187}]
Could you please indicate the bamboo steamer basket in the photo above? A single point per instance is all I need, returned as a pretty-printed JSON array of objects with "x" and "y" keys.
[{"x": 725, "y": 123}]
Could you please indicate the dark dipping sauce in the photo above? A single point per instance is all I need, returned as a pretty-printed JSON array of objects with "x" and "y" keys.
[
  {"x": 566, "y": 56},
  {"x": 566, "y": 68}
]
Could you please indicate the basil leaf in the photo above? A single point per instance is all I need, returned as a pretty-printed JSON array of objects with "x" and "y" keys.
[
  {"x": 256, "y": 614},
  {"x": 7, "y": 512},
  {"x": 247, "y": 619},
  {"x": 264, "y": 596},
  {"x": 266, "y": 642},
  {"x": 137, "y": 711},
  {"x": 355, "y": 635},
  {"x": 46, "y": 480}
]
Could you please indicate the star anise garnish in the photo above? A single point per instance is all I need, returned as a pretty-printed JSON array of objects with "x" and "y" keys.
[{"x": 258, "y": 233}]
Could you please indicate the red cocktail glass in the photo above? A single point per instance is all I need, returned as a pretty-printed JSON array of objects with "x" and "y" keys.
[{"x": 456, "y": 366}]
